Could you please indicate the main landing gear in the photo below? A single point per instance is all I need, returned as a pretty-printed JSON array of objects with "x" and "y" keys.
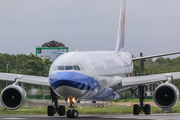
[
  {"x": 51, "y": 110},
  {"x": 141, "y": 108},
  {"x": 71, "y": 113}
]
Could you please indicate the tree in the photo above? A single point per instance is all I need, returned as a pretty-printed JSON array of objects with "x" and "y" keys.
[{"x": 33, "y": 65}]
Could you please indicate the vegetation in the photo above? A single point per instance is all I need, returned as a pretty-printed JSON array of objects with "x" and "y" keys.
[
  {"x": 159, "y": 66},
  {"x": 23, "y": 64},
  {"x": 132, "y": 100}
]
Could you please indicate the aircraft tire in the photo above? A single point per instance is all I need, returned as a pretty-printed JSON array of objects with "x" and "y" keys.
[
  {"x": 50, "y": 111},
  {"x": 61, "y": 110},
  {"x": 147, "y": 109},
  {"x": 75, "y": 114},
  {"x": 136, "y": 109},
  {"x": 68, "y": 114}
]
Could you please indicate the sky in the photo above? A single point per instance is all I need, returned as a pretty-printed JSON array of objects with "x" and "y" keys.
[{"x": 151, "y": 26}]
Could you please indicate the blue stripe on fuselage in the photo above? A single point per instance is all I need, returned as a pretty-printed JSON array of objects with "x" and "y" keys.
[{"x": 73, "y": 79}]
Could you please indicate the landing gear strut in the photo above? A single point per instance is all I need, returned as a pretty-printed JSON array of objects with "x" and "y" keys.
[
  {"x": 71, "y": 113},
  {"x": 141, "y": 108},
  {"x": 51, "y": 110}
]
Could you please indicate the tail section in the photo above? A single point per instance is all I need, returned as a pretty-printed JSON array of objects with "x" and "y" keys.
[{"x": 121, "y": 28}]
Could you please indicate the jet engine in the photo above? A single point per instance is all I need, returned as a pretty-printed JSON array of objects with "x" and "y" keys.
[
  {"x": 166, "y": 95},
  {"x": 12, "y": 97}
]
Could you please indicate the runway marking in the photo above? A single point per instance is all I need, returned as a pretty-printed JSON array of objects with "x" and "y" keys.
[{"x": 13, "y": 118}]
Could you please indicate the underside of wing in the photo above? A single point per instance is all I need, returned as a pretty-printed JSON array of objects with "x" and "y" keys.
[
  {"x": 119, "y": 82},
  {"x": 44, "y": 81},
  {"x": 139, "y": 80}
]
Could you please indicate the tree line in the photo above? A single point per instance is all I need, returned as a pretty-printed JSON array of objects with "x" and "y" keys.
[
  {"x": 160, "y": 65},
  {"x": 23, "y": 64},
  {"x": 33, "y": 65}
]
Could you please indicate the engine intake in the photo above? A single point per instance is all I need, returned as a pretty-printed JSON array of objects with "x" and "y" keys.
[
  {"x": 12, "y": 97},
  {"x": 166, "y": 95}
]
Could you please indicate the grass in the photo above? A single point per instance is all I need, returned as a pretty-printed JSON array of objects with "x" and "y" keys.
[
  {"x": 24, "y": 111},
  {"x": 89, "y": 111},
  {"x": 132, "y": 100},
  {"x": 82, "y": 111}
]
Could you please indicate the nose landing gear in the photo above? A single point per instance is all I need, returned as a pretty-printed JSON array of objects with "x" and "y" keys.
[
  {"x": 71, "y": 113},
  {"x": 60, "y": 109}
]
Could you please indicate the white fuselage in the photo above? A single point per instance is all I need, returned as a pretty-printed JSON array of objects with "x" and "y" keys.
[{"x": 78, "y": 73}]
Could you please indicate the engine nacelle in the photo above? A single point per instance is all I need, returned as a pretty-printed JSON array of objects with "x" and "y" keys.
[
  {"x": 13, "y": 97},
  {"x": 166, "y": 95}
]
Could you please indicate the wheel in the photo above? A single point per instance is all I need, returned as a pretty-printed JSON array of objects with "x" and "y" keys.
[
  {"x": 50, "y": 111},
  {"x": 61, "y": 110},
  {"x": 68, "y": 114},
  {"x": 75, "y": 114},
  {"x": 136, "y": 109},
  {"x": 147, "y": 109}
]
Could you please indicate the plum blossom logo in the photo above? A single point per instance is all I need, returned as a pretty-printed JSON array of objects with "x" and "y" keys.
[{"x": 123, "y": 22}]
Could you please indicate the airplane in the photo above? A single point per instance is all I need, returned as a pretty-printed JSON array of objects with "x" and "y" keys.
[{"x": 94, "y": 76}]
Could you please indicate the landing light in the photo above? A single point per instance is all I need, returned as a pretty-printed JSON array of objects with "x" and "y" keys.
[{"x": 73, "y": 100}]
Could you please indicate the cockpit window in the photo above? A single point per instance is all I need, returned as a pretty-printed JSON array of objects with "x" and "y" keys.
[
  {"x": 75, "y": 67},
  {"x": 61, "y": 68},
  {"x": 69, "y": 67}
]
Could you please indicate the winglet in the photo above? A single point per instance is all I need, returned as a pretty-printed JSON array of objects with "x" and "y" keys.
[{"x": 121, "y": 28}]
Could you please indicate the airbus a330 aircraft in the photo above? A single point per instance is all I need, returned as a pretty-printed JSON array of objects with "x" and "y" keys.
[{"x": 93, "y": 76}]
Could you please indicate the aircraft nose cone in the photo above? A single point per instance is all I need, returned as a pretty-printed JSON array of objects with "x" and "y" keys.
[
  {"x": 66, "y": 83},
  {"x": 72, "y": 79},
  {"x": 69, "y": 82}
]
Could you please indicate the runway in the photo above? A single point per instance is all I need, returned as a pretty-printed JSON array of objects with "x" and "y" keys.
[{"x": 97, "y": 117}]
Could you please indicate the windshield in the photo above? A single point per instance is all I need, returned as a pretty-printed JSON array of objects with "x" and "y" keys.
[
  {"x": 67, "y": 62},
  {"x": 74, "y": 67}
]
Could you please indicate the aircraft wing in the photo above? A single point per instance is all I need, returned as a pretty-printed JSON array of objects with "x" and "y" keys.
[
  {"x": 25, "y": 79},
  {"x": 153, "y": 56},
  {"x": 119, "y": 82},
  {"x": 131, "y": 81}
]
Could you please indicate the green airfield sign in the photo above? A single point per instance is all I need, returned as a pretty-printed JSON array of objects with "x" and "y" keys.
[{"x": 50, "y": 52}]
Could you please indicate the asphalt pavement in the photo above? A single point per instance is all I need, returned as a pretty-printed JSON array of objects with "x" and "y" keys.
[{"x": 96, "y": 117}]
